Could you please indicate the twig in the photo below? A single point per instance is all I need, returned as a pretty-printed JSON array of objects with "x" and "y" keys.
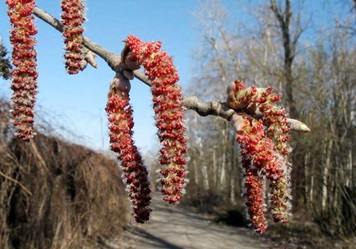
[
  {"x": 222, "y": 110},
  {"x": 215, "y": 108},
  {"x": 17, "y": 182},
  {"x": 111, "y": 58}
]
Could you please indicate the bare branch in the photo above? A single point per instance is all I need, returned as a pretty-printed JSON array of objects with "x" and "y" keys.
[
  {"x": 16, "y": 182},
  {"x": 289, "y": 47},
  {"x": 44, "y": 16},
  {"x": 111, "y": 58},
  {"x": 214, "y": 108},
  {"x": 276, "y": 11},
  {"x": 142, "y": 77},
  {"x": 221, "y": 109}
]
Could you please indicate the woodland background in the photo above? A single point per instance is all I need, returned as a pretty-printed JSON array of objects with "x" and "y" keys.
[{"x": 316, "y": 74}]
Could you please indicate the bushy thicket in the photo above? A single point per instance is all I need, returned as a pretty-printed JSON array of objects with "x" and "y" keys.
[{"x": 54, "y": 194}]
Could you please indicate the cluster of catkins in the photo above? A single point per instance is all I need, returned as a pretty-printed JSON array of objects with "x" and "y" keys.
[
  {"x": 263, "y": 141},
  {"x": 264, "y": 151},
  {"x": 168, "y": 108},
  {"x": 24, "y": 74}
]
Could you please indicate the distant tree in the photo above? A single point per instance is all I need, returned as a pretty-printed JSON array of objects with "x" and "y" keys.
[
  {"x": 322, "y": 80},
  {"x": 289, "y": 40},
  {"x": 5, "y": 65}
]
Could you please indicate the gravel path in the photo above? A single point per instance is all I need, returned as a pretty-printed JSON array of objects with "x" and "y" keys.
[{"x": 172, "y": 227}]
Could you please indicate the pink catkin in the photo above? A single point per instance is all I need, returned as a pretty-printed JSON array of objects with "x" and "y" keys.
[
  {"x": 135, "y": 173},
  {"x": 266, "y": 148},
  {"x": 24, "y": 75},
  {"x": 72, "y": 20},
  {"x": 255, "y": 199},
  {"x": 168, "y": 107},
  {"x": 280, "y": 195},
  {"x": 249, "y": 138}
]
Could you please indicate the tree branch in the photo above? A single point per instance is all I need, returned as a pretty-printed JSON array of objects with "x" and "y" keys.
[
  {"x": 221, "y": 109},
  {"x": 111, "y": 58},
  {"x": 214, "y": 108}
]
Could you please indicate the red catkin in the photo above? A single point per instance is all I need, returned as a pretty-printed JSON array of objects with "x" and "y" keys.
[
  {"x": 135, "y": 173},
  {"x": 264, "y": 145},
  {"x": 72, "y": 20},
  {"x": 24, "y": 75},
  {"x": 168, "y": 106}
]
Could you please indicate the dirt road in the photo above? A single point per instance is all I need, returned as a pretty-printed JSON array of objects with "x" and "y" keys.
[{"x": 171, "y": 227}]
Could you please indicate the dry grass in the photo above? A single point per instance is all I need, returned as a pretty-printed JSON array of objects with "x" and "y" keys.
[
  {"x": 56, "y": 195},
  {"x": 299, "y": 233}
]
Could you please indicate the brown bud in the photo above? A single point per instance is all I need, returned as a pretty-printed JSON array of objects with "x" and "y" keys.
[
  {"x": 121, "y": 83},
  {"x": 126, "y": 60},
  {"x": 130, "y": 63},
  {"x": 128, "y": 74},
  {"x": 90, "y": 58},
  {"x": 238, "y": 122},
  {"x": 251, "y": 108},
  {"x": 231, "y": 99}
]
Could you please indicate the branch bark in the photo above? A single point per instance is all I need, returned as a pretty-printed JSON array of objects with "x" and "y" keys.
[{"x": 214, "y": 108}]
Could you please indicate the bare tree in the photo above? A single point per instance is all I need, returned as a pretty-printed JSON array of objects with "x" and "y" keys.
[
  {"x": 317, "y": 72},
  {"x": 330, "y": 166},
  {"x": 284, "y": 18}
]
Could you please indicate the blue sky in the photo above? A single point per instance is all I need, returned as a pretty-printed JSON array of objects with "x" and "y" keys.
[{"x": 77, "y": 102}]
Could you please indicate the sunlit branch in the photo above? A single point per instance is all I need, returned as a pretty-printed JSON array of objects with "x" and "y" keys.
[
  {"x": 214, "y": 108},
  {"x": 221, "y": 109},
  {"x": 111, "y": 58}
]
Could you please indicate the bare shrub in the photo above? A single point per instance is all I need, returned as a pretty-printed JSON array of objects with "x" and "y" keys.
[{"x": 55, "y": 194}]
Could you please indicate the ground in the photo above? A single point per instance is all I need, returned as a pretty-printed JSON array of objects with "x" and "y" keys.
[{"x": 172, "y": 227}]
